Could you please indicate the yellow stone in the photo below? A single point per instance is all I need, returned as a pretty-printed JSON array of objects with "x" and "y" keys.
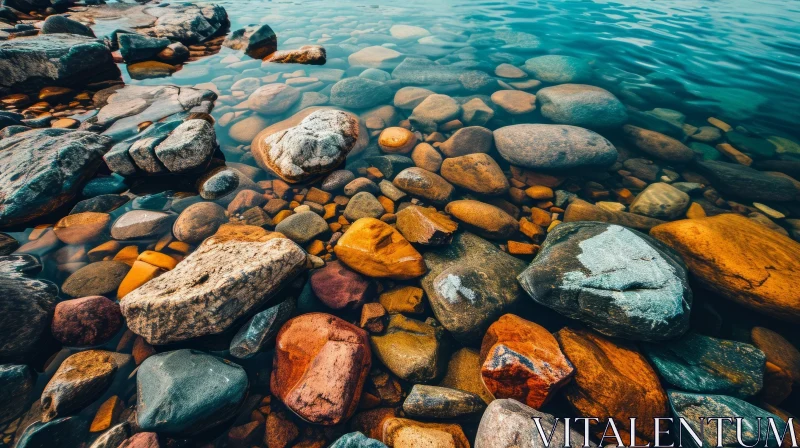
[
  {"x": 81, "y": 228},
  {"x": 158, "y": 259},
  {"x": 107, "y": 414},
  {"x": 695, "y": 211},
  {"x": 397, "y": 140},
  {"x": 140, "y": 273},
  {"x": 376, "y": 249},
  {"x": 716, "y": 122},
  {"x": 127, "y": 255}
]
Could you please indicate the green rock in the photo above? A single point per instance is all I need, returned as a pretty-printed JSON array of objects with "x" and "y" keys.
[
  {"x": 704, "y": 364},
  {"x": 707, "y": 152},
  {"x": 758, "y": 148}
]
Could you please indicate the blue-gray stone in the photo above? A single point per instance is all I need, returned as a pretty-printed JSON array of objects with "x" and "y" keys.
[
  {"x": 65, "y": 432},
  {"x": 581, "y": 105},
  {"x": 56, "y": 24},
  {"x": 104, "y": 203},
  {"x": 136, "y": 47},
  {"x": 185, "y": 392},
  {"x": 106, "y": 185},
  {"x": 390, "y": 164},
  {"x": 757, "y": 148},
  {"x": 16, "y": 384},
  {"x": 359, "y": 93},
  {"x": 748, "y": 183},
  {"x": 556, "y": 69},
  {"x": 553, "y": 147},
  {"x": 704, "y": 364},
  {"x": 691, "y": 406},
  {"x": 356, "y": 440},
  {"x": 706, "y": 152},
  {"x": 616, "y": 280},
  {"x": 259, "y": 332}
]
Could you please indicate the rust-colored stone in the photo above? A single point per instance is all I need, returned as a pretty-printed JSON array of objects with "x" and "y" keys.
[{"x": 376, "y": 249}]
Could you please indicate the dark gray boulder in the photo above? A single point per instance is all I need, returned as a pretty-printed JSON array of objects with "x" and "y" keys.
[
  {"x": 62, "y": 25},
  {"x": 748, "y": 183},
  {"x": 44, "y": 169},
  {"x": 185, "y": 22},
  {"x": 16, "y": 385},
  {"x": 256, "y": 41},
  {"x": 616, "y": 280},
  {"x": 135, "y": 47},
  {"x": 259, "y": 332}
]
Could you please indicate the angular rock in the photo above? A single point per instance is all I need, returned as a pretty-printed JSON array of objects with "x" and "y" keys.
[
  {"x": 741, "y": 260},
  {"x": 79, "y": 380},
  {"x": 8, "y": 244},
  {"x": 508, "y": 423},
  {"x": 401, "y": 432},
  {"x": 87, "y": 321},
  {"x": 464, "y": 373},
  {"x": 658, "y": 145},
  {"x": 478, "y": 173},
  {"x": 661, "y": 201},
  {"x": 441, "y": 402},
  {"x": 375, "y": 249},
  {"x": 616, "y": 280},
  {"x": 186, "y": 22},
  {"x": 220, "y": 282},
  {"x": 422, "y": 225},
  {"x": 135, "y": 47},
  {"x": 484, "y": 219},
  {"x": 339, "y": 287},
  {"x": 45, "y": 169},
  {"x": 425, "y": 184},
  {"x": 698, "y": 363},
  {"x": 522, "y": 360},
  {"x": 411, "y": 349},
  {"x": 581, "y": 105},
  {"x": 185, "y": 392},
  {"x": 553, "y": 147},
  {"x": 137, "y": 224},
  {"x": 189, "y": 147},
  {"x": 749, "y": 183},
  {"x": 302, "y": 227},
  {"x": 260, "y": 331},
  {"x": 101, "y": 278},
  {"x": 356, "y": 440},
  {"x": 602, "y": 366},
  {"x": 57, "y": 24},
  {"x": 307, "y": 54},
  {"x": 316, "y": 145},
  {"x": 470, "y": 284},
  {"x": 320, "y": 365},
  {"x": 256, "y": 42}
]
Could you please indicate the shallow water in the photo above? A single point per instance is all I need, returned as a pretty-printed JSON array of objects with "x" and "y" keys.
[{"x": 738, "y": 61}]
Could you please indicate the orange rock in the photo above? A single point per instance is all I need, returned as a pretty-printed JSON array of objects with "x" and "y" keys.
[
  {"x": 373, "y": 317},
  {"x": 404, "y": 299},
  {"x": 783, "y": 364},
  {"x": 283, "y": 214},
  {"x": 127, "y": 255},
  {"x": 740, "y": 259},
  {"x": 141, "y": 350},
  {"x": 485, "y": 219},
  {"x": 387, "y": 204},
  {"x": 140, "y": 273},
  {"x": 539, "y": 192},
  {"x": 540, "y": 217},
  {"x": 531, "y": 230},
  {"x": 370, "y": 423},
  {"x": 725, "y": 127},
  {"x": 107, "y": 414},
  {"x": 396, "y": 140},
  {"x": 517, "y": 248},
  {"x": 315, "y": 247},
  {"x": 280, "y": 431},
  {"x": 81, "y": 228},
  {"x": 424, "y": 225},
  {"x": 158, "y": 259},
  {"x": 734, "y": 154},
  {"x": 104, "y": 250},
  {"x": 522, "y": 360},
  {"x": 318, "y": 196},
  {"x": 611, "y": 380},
  {"x": 376, "y": 249},
  {"x": 405, "y": 433},
  {"x": 374, "y": 174},
  {"x": 476, "y": 172},
  {"x": 695, "y": 211}
]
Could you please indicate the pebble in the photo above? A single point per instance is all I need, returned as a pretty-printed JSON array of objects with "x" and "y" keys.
[
  {"x": 395, "y": 140},
  {"x": 260, "y": 331},
  {"x": 426, "y": 157},
  {"x": 376, "y": 249},
  {"x": 336, "y": 180},
  {"x": 425, "y": 184},
  {"x": 339, "y": 287},
  {"x": 485, "y": 219},
  {"x": 363, "y": 205},
  {"x": 79, "y": 380},
  {"x": 658, "y": 145},
  {"x": 137, "y": 224},
  {"x": 477, "y": 172},
  {"x": 556, "y": 69},
  {"x": 441, "y": 402},
  {"x": 433, "y": 110},
  {"x": 81, "y": 228},
  {"x": 273, "y": 99},
  {"x": 86, "y": 321},
  {"x": 515, "y": 102},
  {"x": 401, "y": 432},
  {"x": 359, "y": 93},
  {"x": 468, "y": 140},
  {"x": 302, "y": 227},
  {"x": 581, "y": 105},
  {"x": 198, "y": 221},
  {"x": 96, "y": 279},
  {"x": 661, "y": 201},
  {"x": 422, "y": 225}
]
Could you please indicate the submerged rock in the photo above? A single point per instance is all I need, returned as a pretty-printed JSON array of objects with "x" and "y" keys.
[
  {"x": 661, "y": 201},
  {"x": 259, "y": 332},
  {"x": 553, "y": 147},
  {"x": 256, "y": 42},
  {"x": 376, "y": 249},
  {"x": 581, "y": 105},
  {"x": 66, "y": 432},
  {"x": 616, "y": 280},
  {"x": 186, "y": 22},
  {"x": 45, "y": 169},
  {"x": 359, "y": 93},
  {"x": 658, "y": 145},
  {"x": 749, "y": 183},
  {"x": 87, "y": 321},
  {"x": 220, "y": 282},
  {"x": 57, "y": 24},
  {"x": 411, "y": 349},
  {"x": 16, "y": 384},
  {"x": 185, "y": 392},
  {"x": 356, "y": 440},
  {"x": 307, "y": 54},
  {"x": 556, "y": 69}
]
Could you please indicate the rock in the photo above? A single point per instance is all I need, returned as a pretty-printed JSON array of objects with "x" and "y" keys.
[
  {"x": 395, "y": 140},
  {"x": 426, "y": 157},
  {"x": 26, "y": 304},
  {"x": 101, "y": 278},
  {"x": 360, "y": 184},
  {"x": 79, "y": 380},
  {"x": 190, "y": 24},
  {"x": 54, "y": 59},
  {"x": 424, "y": 72},
  {"x": 356, "y": 440},
  {"x": 46, "y": 168},
  {"x": 256, "y": 42},
  {"x": 441, "y": 402},
  {"x": 363, "y": 205},
  {"x": 464, "y": 373},
  {"x": 185, "y": 392},
  {"x": 375, "y": 56},
  {"x": 174, "y": 53},
  {"x": 390, "y": 165},
  {"x": 411, "y": 349},
  {"x": 376, "y": 75},
  {"x": 136, "y": 47},
  {"x": 81, "y": 228},
  {"x": 87, "y": 321},
  {"x": 758, "y": 148},
  {"x": 17, "y": 381},
  {"x": 307, "y": 54},
  {"x": 778, "y": 351},
  {"x": 258, "y": 334},
  {"x": 113, "y": 437},
  {"x": 339, "y": 287},
  {"x": 580, "y": 210},
  {"x": 390, "y": 191},
  {"x": 320, "y": 365},
  {"x": 581, "y": 105},
  {"x": 302, "y": 227},
  {"x": 220, "y": 282},
  {"x": 658, "y": 145},
  {"x": 553, "y": 147},
  {"x": 273, "y": 99},
  {"x": 515, "y": 102},
  {"x": 404, "y": 299},
  {"x": 103, "y": 203},
  {"x": 359, "y": 93},
  {"x": 7, "y": 244},
  {"x": 401, "y": 432},
  {"x": 468, "y": 140},
  {"x": 478, "y": 173},
  {"x": 244, "y": 131},
  {"x": 748, "y": 183},
  {"x": 522, "y": 360},
  {"x": 485, "y": 219},
  {"x": 316, "y": 145},
  {"x": 198, "y": 222},
  {"x": 602, "y": 366},
  {"x": 426, "y": 226},
  {"x": 433, "y": 110},
  {"x": 687, "y": 406},
  {"x": 616, "y": 280},
  {"x": 337, "y": 180},
  {"x": 408, "y": 32},
  {"x": 64, "y": 432},
  {"x": 425, "y": 184},
  {"x": 189, "y": 147},
  {"x": 661, "y": 201},
  {"x": 375, "y": 249},
  {"x": 142, "y": 440},
  {"x": 508, "y": 423},
  {"x": 56, "y": 24},
  {"x": 739, "y": 259},
  {"x": 150, "y": 70},
  {"x": 556, "y": 69},
  {"x": 410, "y": 97},
  {"x": 704, "y": 364},
  {"x": 137, "y": 224}
]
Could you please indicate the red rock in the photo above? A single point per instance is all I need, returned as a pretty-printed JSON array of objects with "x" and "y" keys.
[
  {"x": 280, "y": 431},
  {"x": 246, "y": 199},
  {"x": 522, "y": 360},
  {"x": 339, "y": 287},
  {"x": 87, "y": 321},
  {"x": 142, "y": 440},
  {"x": 320, "y": 365}
]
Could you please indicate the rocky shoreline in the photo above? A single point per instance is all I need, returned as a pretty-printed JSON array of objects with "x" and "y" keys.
[{"x": 334, "y": 242}]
